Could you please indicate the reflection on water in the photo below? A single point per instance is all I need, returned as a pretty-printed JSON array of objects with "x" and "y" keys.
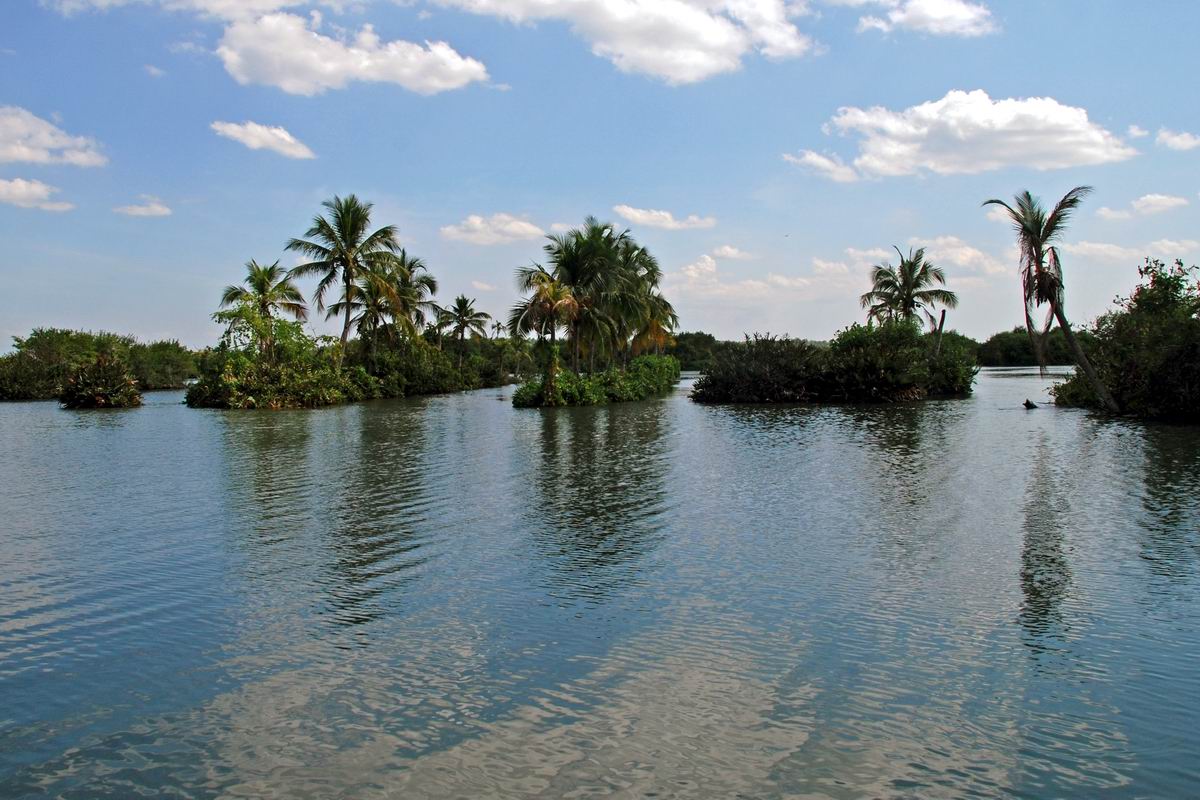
[
  {"x": 449, "y": 598},
  {"x": 1045, "y": 569}
]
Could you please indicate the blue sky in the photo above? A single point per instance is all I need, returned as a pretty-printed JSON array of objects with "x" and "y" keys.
[{"x": 767, "y": 151}]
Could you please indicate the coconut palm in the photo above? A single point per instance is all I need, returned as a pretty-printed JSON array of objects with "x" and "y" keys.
[
  {"x": 415, "y": 289},
  {"x": 907, "y": 290},
  {"x": 341, "y": 249},
  {"x": 463, "y": 318},
  {"x": 1042, "y": 277},
  {"x": 549, "y": 306},
  {"x": 269, "y": 290},
  {"x": 497, "y": 328}
]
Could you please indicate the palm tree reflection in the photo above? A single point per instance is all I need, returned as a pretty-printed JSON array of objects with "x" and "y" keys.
[{"x": 1045, "y": 570}]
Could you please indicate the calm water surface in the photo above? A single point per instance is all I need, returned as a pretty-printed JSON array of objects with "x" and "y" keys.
[{"x": 448, "y": 598}]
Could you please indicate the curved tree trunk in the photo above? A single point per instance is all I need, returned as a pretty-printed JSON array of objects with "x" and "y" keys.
[{"x": 1106, "y": 398}]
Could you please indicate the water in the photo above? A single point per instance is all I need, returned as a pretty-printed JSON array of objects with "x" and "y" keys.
[{"x": 445, "y": 597}]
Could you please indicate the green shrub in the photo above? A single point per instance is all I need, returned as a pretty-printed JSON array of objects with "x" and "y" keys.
[
  {"x": 646, "y": 376},
  {"x": 889, "y": 363},
  {"x": 105, "y": 382},
  {"x": 1147, "y": 351},
  {"x": 1015, "y": 349}
]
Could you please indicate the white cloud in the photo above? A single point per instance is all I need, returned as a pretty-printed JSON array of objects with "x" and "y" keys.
[
  {"x": 496, "y": 229},
  {"x": 946, "y": 250},
  {"x": 1177, "y": 140},
  {"x": 561, "y": 227},
  {"x": 155, "y": 72},
  {"x": 702, "y": 279},
  {"x": 150, "y": 206},
  {"x": 482, "y": 287},
  {"x": 823, "y": 267},
  {"x": 30, "y": 194},
  {"x": 787, "y": 282},
  {"x": 260, "y": 137},
  {"x": 831, "y": 167},
  {"x": 728, "y": 251},
  {"x": 288, "y": 52},
  {"x": 653, "y": 218},
  {"x": 937, "y": 17},
  {"x": 869, "y": 256},
  {"x": 679, "y": 41},
  {"x": 1165, "y": 248},
  {"x": 1144, "y": 206},
  {"x": 967, "y": 133},
  {"x": 1137, "y": 132},
  {"x": 29, "y": 138},
  {"x": 998, "y": 214}
]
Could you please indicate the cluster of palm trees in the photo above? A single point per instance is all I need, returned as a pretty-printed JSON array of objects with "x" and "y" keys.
[
  {"x": 601, "y": 289},
  {"x": 907, "y": 291},
  {"x": 384, "y": 292}
]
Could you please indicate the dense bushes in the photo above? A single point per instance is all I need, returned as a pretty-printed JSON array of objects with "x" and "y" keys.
[
  {"x": 271, "y": 363},
  {"x": 646, "y": 376},
  {"x": 1147, "y": 351},
  {"x": 889, "y": 363},
  {"x": 1015, "y": 349},
  {"x": 105, "y": 382},
  {"x": 41, "y": 363},
  {"x": 696, "y": 351}
]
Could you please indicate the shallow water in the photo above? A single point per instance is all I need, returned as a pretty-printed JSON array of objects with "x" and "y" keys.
[{"x": 445, "y": 597}]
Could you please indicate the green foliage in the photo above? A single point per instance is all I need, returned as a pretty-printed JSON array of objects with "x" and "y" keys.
[
  {"x": 646, "y": 376},
  {"x": 889, "y": 363},
  {"x": 1015, "y": 349},
  {"x": 1147, "y": 351},
  {"x": 104, "y": 382},
  {"x": 303, "y": 372},
  {"x": 694, "y": 351},
  {"x": 43, "y": 361}
]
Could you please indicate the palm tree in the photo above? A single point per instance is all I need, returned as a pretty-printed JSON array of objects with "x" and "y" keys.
[
  {"x": 268, "y": 289},
  {"x": 497, "y": 329},
  {"x": 549, "y": 306},
  {"x": 908, "y": 290},
  {"x": 1042, "y": 278},
  {"x": 463, "y": 317},
  {"x": 415, "y": 289},
  {"x": 342, "y": 250}
]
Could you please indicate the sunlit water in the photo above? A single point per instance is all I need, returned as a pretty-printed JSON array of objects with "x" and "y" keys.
[{"x": 446, "y": 597}]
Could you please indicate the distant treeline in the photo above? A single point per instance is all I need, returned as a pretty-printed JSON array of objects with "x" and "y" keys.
[
  {"x": 43, "y": 362},
  {"x": 696, "y": 351}
]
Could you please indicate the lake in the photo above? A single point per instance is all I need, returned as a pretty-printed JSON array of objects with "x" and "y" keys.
[{"x": 447, "y": 597}]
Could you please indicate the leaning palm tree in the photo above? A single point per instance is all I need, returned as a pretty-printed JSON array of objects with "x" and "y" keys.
[
  {"x": 341, "y": 249},
  {"x": 907, "y": 291},
  {"x": 464, "y": 318},
  {"x": 1042, "y": 278},
  {"x": 269, "y": 290}
]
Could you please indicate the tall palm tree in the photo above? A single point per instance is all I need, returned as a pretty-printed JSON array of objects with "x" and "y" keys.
[
  {"x": 341, "y": 249},
  {"x": 269, "y": 289},
  {"x": 464, "y": 318},
  {"x": 1042, "y": 277},
  {"x": 549, "y": 306},
  {"x": 497, "y": 328},
  {"x": 908, "y": 290},
  {"x": 415, "y": 288}
]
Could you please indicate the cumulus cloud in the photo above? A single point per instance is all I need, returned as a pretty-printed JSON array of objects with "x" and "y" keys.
[
  {"x": 824, "y": 267},
  {"x": 480, "y": 286},
  {"x": 287, "y": 51},
  {"x": 966, "y": 133},
  {"x": 26, "y": 137},
  {"x": 1177, "y": 140},
  {"x": 1144, "y": 206},
  {"x": 154, "y": 72},
  {"x": 496, "y": 229},
  {"x": 831, "y": 167},
  {"x": 654, "y": 218},
  {"x": 728, "y": 251},
  {"x": 702, "y": 278},
  {"x": 944, "y": 250},
  {"x": 679, "y": 41},
  {"x": 30, "y": 194},
  {"x": 150, "y": 206},
  {"x": 937, "y": 17},
  {"x": 1137, "y": 132},
  {"x": 1164, "y": 248},
  {"x": 264, "y": 137}
]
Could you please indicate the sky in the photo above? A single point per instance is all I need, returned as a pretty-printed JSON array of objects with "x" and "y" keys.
[{"x": 768, "y": 152}]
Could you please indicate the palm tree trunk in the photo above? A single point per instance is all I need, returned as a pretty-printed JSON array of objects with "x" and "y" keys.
[
  {"x": 460, "y": 349},
  {"x": 1106, "y": 398}
]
